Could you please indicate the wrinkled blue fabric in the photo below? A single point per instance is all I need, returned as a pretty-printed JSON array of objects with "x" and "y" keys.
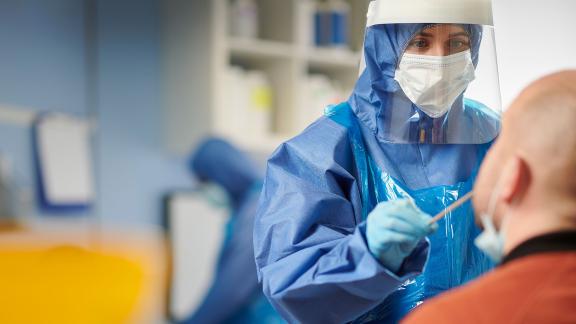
[
  {"x": 235, "y": 295},
  {"x": 454, "y": 259},
  {"x": 309, "y": 234}
]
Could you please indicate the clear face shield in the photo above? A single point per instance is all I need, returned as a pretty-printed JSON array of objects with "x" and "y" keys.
[{"x": 433, "y": 71}]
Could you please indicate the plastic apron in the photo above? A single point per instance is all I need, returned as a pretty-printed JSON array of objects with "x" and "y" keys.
[{"x": 453, "y": 260}]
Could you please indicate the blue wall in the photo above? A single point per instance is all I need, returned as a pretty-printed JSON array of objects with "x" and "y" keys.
[
  {"x": 42, "y": 64},
  {"x": 42, "y": 54},
  {"x": 136, "y": 170},
  {"x": 43, "y": 59}
]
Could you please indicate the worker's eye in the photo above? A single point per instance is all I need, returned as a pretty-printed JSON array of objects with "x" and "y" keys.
[
  {"x": 458, "y": 45},
  {"x": 418, "y": 44}
]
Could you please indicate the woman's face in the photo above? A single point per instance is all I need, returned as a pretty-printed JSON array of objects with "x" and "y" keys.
[{"x": 440, "y": 40}]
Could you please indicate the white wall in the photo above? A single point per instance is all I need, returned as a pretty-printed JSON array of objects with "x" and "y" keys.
[{"x": 533, "y": 38}]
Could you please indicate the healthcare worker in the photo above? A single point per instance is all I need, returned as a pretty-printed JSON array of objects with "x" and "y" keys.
[
  {"x": 341, "y": 231},
  {"x": 230, "y": 179}
]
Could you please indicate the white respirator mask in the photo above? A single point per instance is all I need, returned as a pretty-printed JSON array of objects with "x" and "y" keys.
[
  {"x": 433, "y": 83},
  {"x": 491, "y": 241}
]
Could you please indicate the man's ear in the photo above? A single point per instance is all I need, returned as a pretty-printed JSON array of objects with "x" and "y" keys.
[{"x": 517, "y": 179}]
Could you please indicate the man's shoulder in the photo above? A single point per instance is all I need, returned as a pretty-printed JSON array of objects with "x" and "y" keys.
[
  {"x": 458, "y": 305},
  {"x": 495, "y": 297}
]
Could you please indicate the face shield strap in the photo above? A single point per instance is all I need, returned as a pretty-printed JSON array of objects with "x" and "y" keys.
[{"x": 362, "y": 59}]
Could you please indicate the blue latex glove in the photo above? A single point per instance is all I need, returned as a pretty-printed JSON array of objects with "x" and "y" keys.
[{"x": 393, "y": 230}]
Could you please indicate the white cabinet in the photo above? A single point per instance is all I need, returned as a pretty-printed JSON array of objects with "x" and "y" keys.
[{"x": 198, "y": 52}]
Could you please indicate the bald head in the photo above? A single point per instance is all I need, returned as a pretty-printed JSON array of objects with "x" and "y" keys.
[
  {"x": 541, "y": 127},
  {"x": 529, "y": 175}
]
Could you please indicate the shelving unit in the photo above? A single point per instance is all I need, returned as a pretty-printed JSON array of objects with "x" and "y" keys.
[
  {"x": 333, "y": 59},
  {"x": 198, "y": 52},
  {"x": 259, "y": 49}
]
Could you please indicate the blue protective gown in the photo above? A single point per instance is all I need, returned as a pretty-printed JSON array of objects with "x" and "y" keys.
[
  {"x": 235, "y": 295},
  {"x": 309, "y": 236}
]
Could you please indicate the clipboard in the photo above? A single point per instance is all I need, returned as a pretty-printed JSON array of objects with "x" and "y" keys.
[{"x": 63, "y": 161}]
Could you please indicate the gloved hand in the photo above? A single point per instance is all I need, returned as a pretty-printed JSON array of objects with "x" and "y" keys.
[{"x": 393, "y": 230}]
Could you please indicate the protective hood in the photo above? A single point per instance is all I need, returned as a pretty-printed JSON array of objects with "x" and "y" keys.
[
  {"x": 378, "y": 101},
  {"x": 219, "y": 162}
]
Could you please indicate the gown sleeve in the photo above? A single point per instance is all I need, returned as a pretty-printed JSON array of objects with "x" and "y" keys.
[
  {"x": 310, "y": 246},
  {"x": 235, "y": 282}
]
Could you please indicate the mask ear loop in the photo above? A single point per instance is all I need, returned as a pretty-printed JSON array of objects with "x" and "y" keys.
[
  {"x": 494, "y": 198},
  {"x": 492, "y": 209}
]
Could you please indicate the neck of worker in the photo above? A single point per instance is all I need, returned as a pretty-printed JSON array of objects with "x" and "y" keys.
[{"x": 522, "y": 223}]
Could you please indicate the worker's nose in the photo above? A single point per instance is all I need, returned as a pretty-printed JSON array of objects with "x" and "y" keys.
[{"x": 438, "y": 49}]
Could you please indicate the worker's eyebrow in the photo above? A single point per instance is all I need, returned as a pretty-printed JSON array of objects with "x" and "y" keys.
[
  {"x": 465, "y": 34},
  {"x": 425, "y": 34}
]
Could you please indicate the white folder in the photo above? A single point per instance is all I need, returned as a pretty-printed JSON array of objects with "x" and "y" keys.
[{"x": 65, "y": 160}]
